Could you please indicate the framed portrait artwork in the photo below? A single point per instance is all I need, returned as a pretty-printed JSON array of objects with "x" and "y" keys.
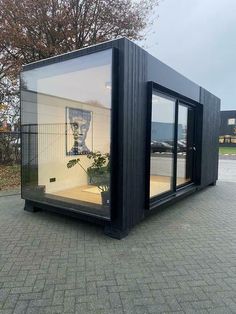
[{"x": 79, "y": 131}]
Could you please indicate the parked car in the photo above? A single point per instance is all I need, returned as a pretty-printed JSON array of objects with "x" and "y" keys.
[
  {"x": 161, "y": 147},
  {"x": 181, "y": 146}
]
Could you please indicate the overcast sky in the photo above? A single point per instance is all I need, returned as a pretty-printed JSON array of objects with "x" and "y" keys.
[{"x": 198, "y": 39}]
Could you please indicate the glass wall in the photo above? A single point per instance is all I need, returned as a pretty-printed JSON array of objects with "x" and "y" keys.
[
  {"x": 162, "y": 144},
  {"x": 66, "y": 133}
]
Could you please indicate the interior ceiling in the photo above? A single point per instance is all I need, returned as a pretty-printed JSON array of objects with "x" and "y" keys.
[{"x": 91, "y": 84}]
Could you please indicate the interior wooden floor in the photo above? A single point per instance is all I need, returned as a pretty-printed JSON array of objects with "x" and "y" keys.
[
  {"x": 91, "y": 194},
  {"x": 162, "y": 184},
  {"x": 85, "y": 193}
]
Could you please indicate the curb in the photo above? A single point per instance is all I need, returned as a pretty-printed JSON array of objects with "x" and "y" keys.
[{"x": 9, "y": 193}]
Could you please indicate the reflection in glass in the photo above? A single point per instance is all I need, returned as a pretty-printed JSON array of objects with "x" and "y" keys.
[
  {"x": 162, "y": 144},
  {"x": 66, "y": 126},
  {"x": 184, "y": 145}
]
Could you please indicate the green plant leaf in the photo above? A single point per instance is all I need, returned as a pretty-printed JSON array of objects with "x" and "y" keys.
[{"x": 72, "y": 163}]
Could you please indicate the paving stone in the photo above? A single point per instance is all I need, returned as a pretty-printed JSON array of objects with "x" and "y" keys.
[
  {"x": 180, "y": 260},
  {"x": 69, "y": 304},
  {"x": 4, "y": 294},
  {"x": 21, "y": 307},
  {"x": 11, "y": 301}
]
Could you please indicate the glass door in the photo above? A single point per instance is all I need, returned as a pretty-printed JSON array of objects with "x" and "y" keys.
[
  {"x": 185, "y": 145},
  {"x": 162, "y": 145},
  {"x": 172, "y": 146}
]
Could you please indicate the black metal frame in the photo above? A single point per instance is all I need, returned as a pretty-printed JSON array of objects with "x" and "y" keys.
[{"x": 179, "y": 99}]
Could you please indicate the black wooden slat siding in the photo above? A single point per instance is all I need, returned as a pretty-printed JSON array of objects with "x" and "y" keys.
[
  {"x": 134, "y": 132},
  {"x": 162, "y": 74},
  {"x": 210, "y": 137}
]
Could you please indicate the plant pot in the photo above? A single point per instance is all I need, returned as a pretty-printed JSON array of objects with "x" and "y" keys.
[
  {"x": 105, "y": 198},
  {"x": 97, "y": 175}
]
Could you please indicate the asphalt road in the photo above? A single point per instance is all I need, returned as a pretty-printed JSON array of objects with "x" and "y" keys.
[{"x": 227, "y": 170}]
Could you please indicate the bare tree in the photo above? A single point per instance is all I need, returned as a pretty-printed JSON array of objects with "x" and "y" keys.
[
  {"x": 31, "y": 30},
  {"x": 9, "y": 120}
]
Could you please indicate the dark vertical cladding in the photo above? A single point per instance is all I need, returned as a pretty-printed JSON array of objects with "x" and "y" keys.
[
  {"x": 210, "y": 137},
  {"x": 165, "y": 76},
  {"x": 135, "y": 99},
  {"x": 132, "y": 129}
]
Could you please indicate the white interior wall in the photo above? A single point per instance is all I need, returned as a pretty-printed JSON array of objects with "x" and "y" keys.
[{"x": 52, "y": 159}]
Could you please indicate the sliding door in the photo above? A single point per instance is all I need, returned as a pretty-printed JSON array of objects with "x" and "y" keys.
[
  {"x": 162, "y": 144},
  {"x": 172, "y": 147},
  {"x": 185, "y": 145}
]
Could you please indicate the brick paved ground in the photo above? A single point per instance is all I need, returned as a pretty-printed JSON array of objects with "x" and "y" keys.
[
  {"x": 227, "y": 167},
  {"x": 181, "y": 260}
]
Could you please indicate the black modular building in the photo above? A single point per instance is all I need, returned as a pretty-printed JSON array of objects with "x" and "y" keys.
[{"x": 110, "y": 134}]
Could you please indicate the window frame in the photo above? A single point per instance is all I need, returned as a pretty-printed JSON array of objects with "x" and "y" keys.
[
  {"x": 154, "y": 201},
  {"x": 81, "y": 209}
]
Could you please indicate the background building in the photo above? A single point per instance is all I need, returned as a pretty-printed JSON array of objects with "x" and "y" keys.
[{"x": 227, "y": 128}]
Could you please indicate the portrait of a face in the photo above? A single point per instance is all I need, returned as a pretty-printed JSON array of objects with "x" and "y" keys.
[{"x": 78, "y": 124}]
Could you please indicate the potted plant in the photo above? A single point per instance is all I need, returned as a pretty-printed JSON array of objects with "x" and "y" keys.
[{"x": 98, "y": 173}]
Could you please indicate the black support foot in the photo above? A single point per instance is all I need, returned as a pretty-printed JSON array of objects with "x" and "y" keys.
[
  {"x": 29, "y": 207},
  {"x": 115, "y": 233}
]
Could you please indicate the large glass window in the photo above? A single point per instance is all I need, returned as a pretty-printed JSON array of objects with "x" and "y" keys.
[
  {"x": 66, "y": 133},
  {"x": 162, "y": 144}
]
